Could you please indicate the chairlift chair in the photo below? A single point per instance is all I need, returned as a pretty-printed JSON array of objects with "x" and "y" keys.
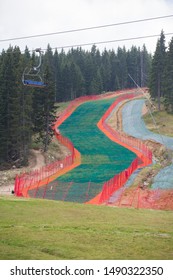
[{"x": 31, "y": 76}]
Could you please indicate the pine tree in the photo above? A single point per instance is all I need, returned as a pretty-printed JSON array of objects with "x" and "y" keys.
[
  {"x": 3, "y": 136},
  {"x": 77, "y": 81},
  {"x": 90, "y": 69},
  {"x": 11, "y": 106},
  {"x": 49, "y": 110},
  {"x": 114, "y": 65},
  {"x": 122, "y": 71},
  {"x": 13, "y": 149},
  {"x": 43, "y": 105},
  {"x": 133, "y": 65},
  {"x": 26, "y": 110},
  {"x": 157, "y": 70},
  {"x": 168, "y": 78},
  {"x": 105, "y": 70},
  {"x": 145, "y": 66},
  {"x": 96, "y": 86}
]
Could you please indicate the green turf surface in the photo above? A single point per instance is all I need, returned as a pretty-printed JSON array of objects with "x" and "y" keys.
[
  {"x": 42, "y": 229},
  {"x": 101, "y": 158}
]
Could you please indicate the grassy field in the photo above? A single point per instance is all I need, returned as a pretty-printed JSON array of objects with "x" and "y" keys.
[
  {"x": 163, "y": 120},
  {"x": 42, "y": 229}
]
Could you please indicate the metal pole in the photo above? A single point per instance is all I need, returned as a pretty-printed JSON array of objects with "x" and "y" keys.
[{"x": 156, "y": 126}]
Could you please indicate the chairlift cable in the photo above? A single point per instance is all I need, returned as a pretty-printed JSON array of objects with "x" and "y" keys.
[
  {"x": 103, "y": 42},
  {"x": 85, "y": 28}
]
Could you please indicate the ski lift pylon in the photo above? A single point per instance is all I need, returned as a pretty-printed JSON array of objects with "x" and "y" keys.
[{"x": 32, "y": 76}]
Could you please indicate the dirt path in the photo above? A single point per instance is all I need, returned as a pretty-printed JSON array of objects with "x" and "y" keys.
[
  {"x": 39, "y": 159},
  {"x": 7, "y": 177}
]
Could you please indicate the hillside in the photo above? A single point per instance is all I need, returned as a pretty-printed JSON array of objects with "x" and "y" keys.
[
  {"x": 42, "y": 229},
  {"x": 56, "y": 151}
]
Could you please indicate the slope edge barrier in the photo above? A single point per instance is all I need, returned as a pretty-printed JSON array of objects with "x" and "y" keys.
[
  {"x": 42, "y": 176},
  {"x": 148, "y": 199},
  {"x": 144, "y": 155},
  {"x": 39, "y": 178}
]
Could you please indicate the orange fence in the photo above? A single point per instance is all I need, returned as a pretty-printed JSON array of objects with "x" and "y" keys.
[
  {"x": 42, "y": 177},
  {"x": 117, "y": 182},
  {"x": 29, "y": 180},
  {"x": 75, "y": 103},
  {"x": 134, "y": 144},
  {"x": 144, "y": 155},
  {"x": 145, "y": 198}
]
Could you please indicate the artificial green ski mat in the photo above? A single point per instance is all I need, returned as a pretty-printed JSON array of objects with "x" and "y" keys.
[{"x": 101, "y": 158}]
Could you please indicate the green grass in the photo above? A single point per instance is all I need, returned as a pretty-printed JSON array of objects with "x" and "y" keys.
[
  {"x": 42, "y": 229},
  {"x": 163, "y": 120}
]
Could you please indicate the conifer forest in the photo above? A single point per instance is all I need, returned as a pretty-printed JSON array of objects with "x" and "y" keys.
[{"x": 27, "y": 113}]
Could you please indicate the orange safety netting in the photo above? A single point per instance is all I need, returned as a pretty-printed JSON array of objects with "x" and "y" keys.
[
  {"x": 36, "y": 179},
  {"x": 145, "y": 198},
  {"x": 144, "y": 155}
]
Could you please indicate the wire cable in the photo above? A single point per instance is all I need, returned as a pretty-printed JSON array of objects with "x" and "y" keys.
[
  {"x": 102, "y": 42},
  {"x": 109, "y": 41},
  {"x": 85, "y": 29}
]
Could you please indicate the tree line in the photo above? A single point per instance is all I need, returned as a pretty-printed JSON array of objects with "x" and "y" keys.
[
  {"x": 25, "y": 112},
  {"x": 161, "y": 75},
  {"x": 28, "y": 113},
  {"x": 81, "y": 72}
]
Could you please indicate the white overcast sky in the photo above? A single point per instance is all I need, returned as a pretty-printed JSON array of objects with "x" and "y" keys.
[{"x": 24, "y": 18}]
